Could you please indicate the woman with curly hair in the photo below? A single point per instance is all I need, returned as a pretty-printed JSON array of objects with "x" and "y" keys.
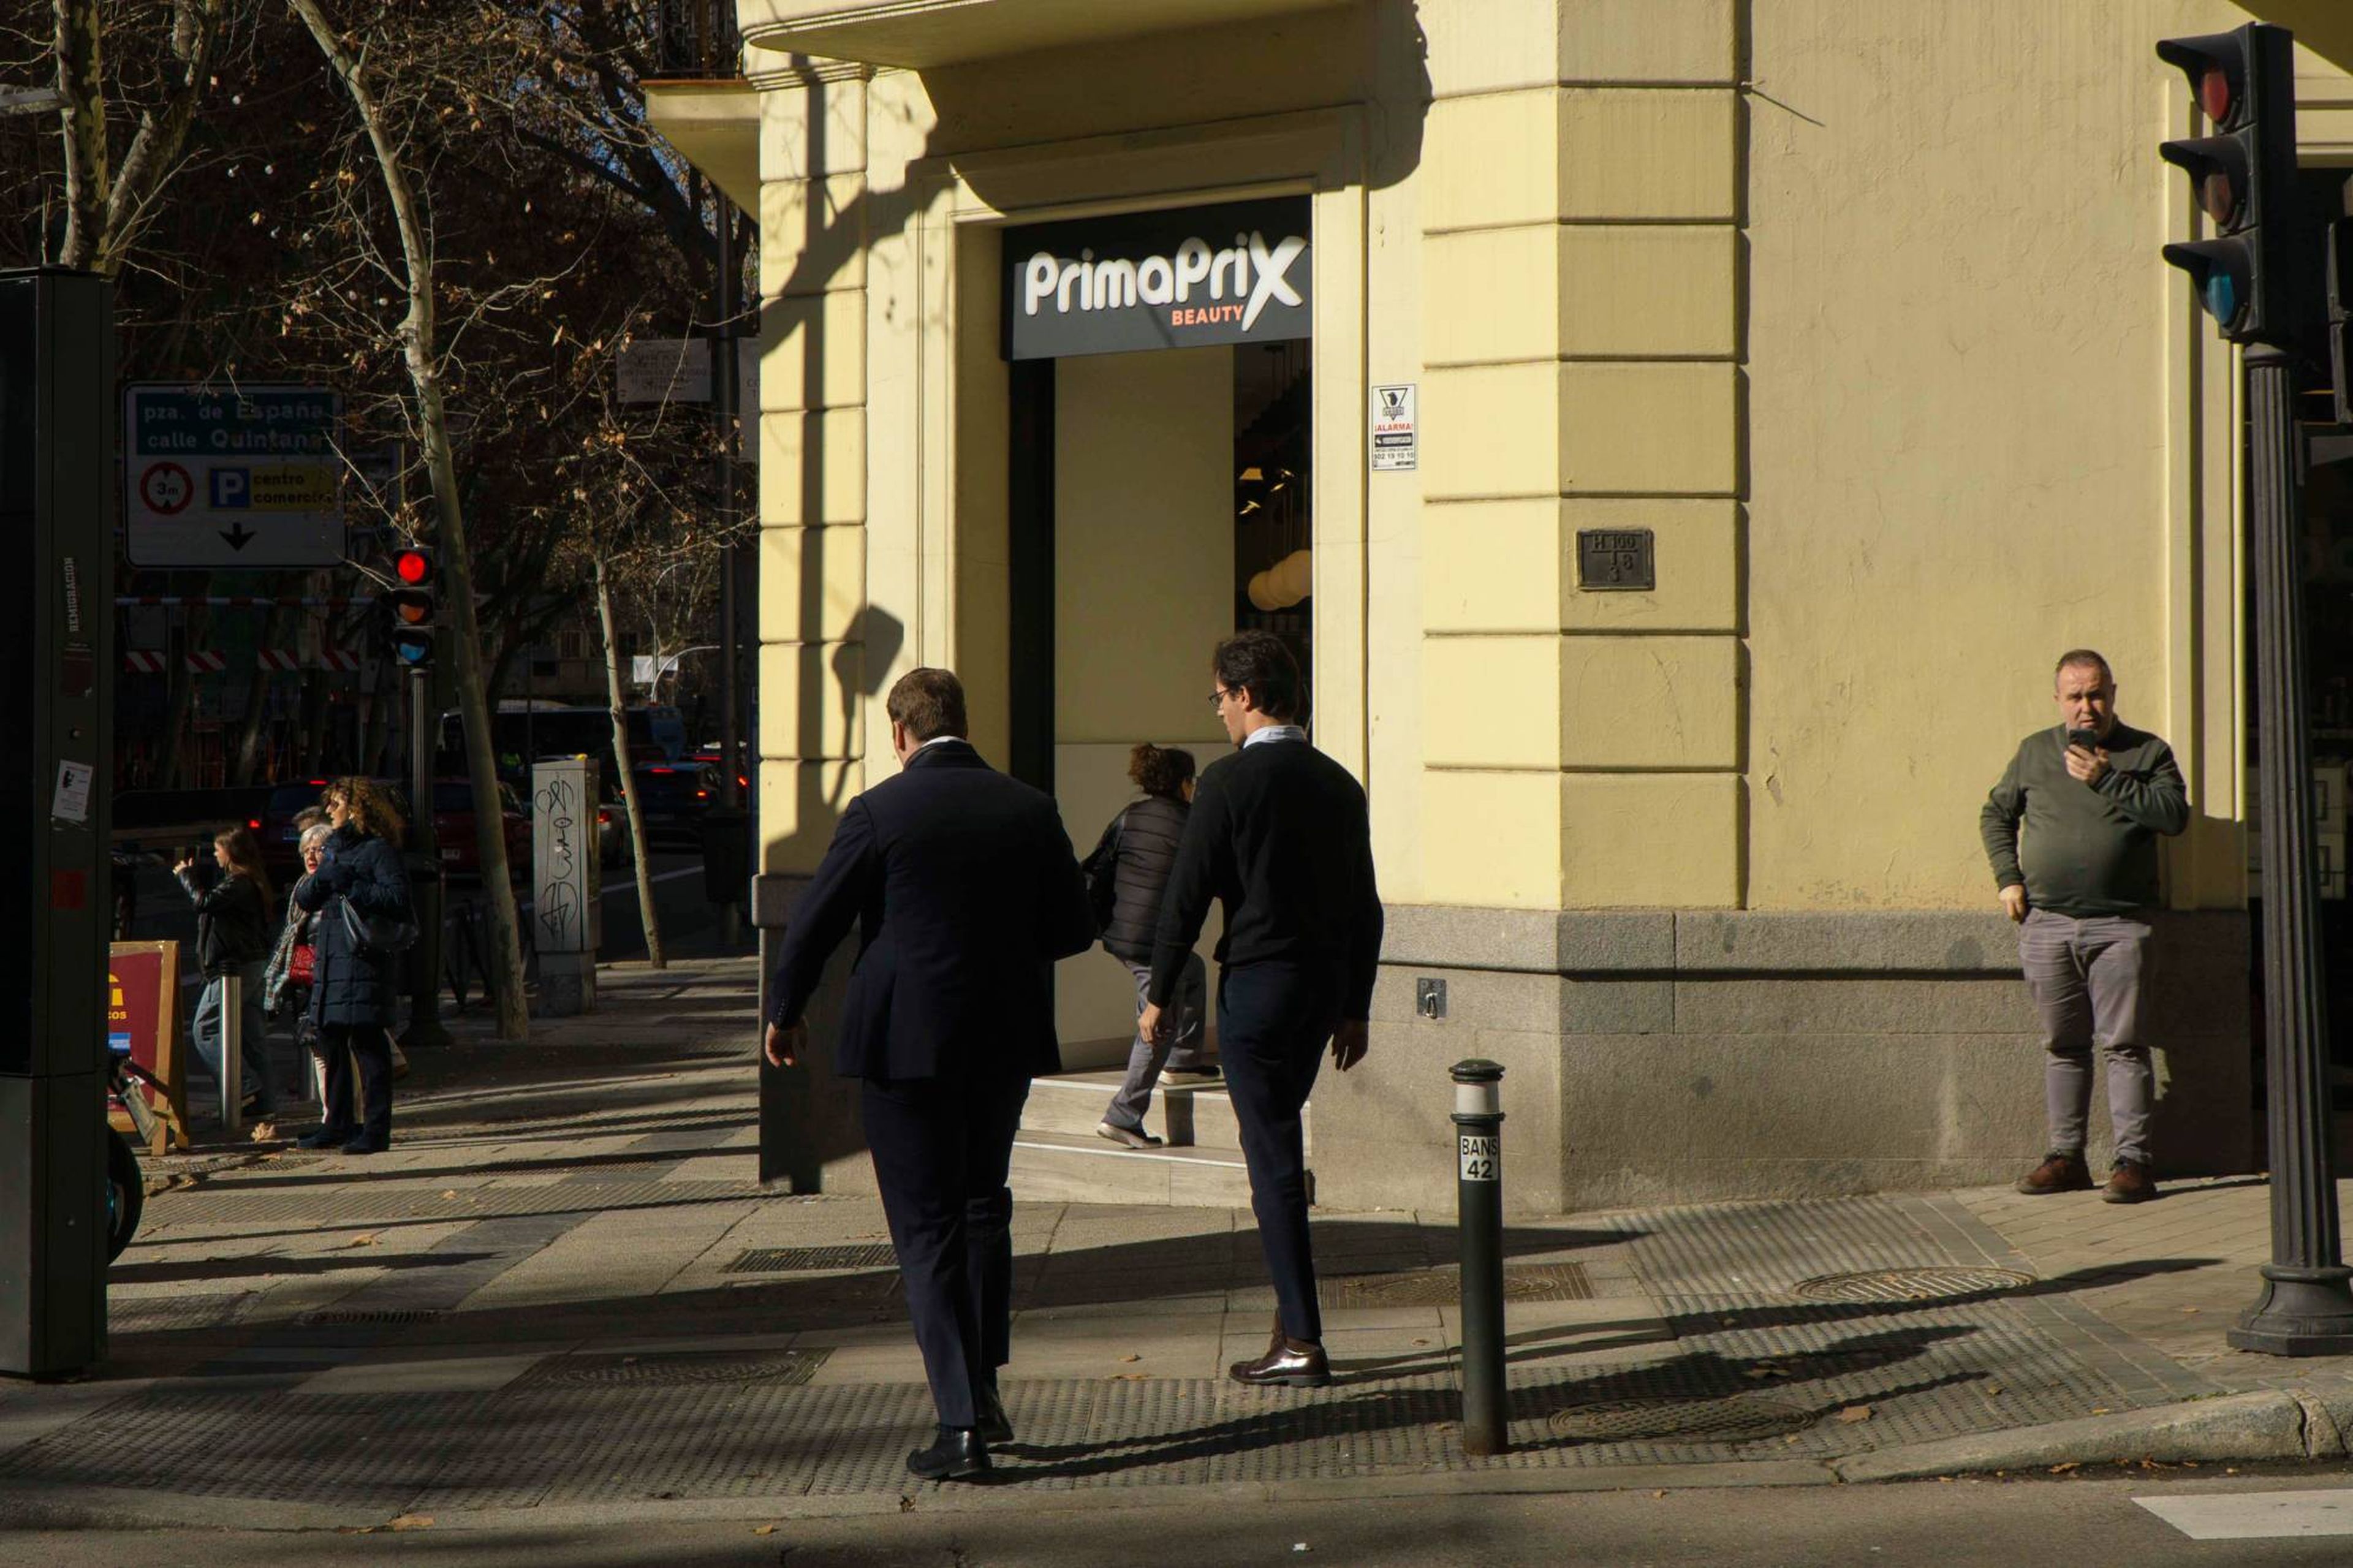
[
  {"x": 1135, "y": 854},
  {"x": 354, "y": 986}
]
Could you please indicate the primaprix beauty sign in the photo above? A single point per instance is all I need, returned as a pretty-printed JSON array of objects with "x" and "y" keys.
[{"x": 1184, "y": 278}]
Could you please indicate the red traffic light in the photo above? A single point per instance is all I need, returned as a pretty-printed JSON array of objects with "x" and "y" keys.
[
  {"x": 414, "y": 567},
  {"x": 2216, "y": 65}
]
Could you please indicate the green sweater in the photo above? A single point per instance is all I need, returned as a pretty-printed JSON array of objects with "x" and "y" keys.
[{"x": 2089, "y": 849}]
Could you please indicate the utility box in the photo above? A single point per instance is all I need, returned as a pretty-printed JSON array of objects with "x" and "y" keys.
[
  {"x": 56, "y": 619},
  {"x": 567, "y": 890}
]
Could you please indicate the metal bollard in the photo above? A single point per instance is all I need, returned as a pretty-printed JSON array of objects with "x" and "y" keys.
[
  {"x": 1478, "y": 1215},
  {"x": 232, "y": 1052}
]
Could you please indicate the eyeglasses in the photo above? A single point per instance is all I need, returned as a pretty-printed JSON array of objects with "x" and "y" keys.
[{"x": 1217, "y": 698}]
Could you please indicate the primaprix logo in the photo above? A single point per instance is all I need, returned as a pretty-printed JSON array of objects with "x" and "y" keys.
[{"x": 1238, "y": 282}]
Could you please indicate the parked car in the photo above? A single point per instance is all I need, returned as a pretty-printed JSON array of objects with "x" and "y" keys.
[
  {"x": 453, "y": 829},
  {"x": 281, "y": 839}
]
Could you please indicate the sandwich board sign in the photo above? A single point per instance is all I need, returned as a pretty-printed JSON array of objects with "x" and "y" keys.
[{"x": 246, "y": 477}]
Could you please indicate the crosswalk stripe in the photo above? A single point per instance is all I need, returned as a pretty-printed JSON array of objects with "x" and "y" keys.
[{"x": 2256, "y": 1516}]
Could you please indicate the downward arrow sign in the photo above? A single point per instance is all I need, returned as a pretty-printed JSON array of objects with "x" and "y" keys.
[{"x": 239, "y": 536}]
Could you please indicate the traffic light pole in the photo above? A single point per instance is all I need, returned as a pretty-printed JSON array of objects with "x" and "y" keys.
[
  {"x": 2306, "y": 1306},
  {"x": 424, "y": 871}
]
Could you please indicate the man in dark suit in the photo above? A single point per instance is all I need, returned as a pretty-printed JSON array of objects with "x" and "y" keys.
[
  {"x": 964, "y": 891},
  {"x": 1279, "y": 836}
]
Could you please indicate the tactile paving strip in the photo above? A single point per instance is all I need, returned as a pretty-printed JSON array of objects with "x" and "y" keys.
[
  {"x": 1910, "y": 1284},
  {"x": 1442, "y": 1287},
  {"x": 813, "y": 1259},
  {"x": 261, "y": 1203}
]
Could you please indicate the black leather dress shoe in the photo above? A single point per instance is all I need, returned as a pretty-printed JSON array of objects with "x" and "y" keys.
[
  {"x": 324, "y": 1138},
  {"x": 957, "y": 1454},
  {"x": 1287, "y": 1363},
  {"x": 995, "y": 1426}
]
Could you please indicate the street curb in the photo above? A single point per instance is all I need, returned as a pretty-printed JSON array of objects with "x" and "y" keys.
[{"x": 2264, "y": 1426}]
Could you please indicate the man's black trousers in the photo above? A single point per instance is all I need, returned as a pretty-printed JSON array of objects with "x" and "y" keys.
[
  {"x": 1273, "y": 1022},
  {"x": 941, "y": 1147}
]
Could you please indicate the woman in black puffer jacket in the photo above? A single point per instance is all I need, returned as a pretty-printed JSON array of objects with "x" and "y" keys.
[
  {"x": 353, "y": 988},
  {"x": 1136, "y": 852}
]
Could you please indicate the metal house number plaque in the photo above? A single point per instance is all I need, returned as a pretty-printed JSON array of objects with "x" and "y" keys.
[{"x": 1610, "y": 558}]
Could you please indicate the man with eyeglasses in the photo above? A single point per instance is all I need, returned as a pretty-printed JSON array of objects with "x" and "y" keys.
[{"x": 1278, "y": 836}]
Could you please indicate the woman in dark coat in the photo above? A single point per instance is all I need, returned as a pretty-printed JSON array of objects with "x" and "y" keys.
[
  {"x": 1136, "y": 852},
  {"x": 353, "y": 988},
  {"x": 233, "y": 940}
]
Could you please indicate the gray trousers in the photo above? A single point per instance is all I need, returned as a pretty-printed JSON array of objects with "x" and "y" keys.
[
  {"x": 2085, "y": 976},
  {"x": 1179, "y": 1045}
]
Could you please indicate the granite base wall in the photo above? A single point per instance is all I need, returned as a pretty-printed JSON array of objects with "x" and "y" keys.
[{"x": 1661, "y": 1056}]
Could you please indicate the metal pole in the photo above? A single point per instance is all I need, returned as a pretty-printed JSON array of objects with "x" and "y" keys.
[
  {"x": 424, "y": 873},
  {"x": 1478, "y": 1215},
  {"x": 2306, "y": 1306},
  {"x": 232, "y": 1053},
  {"x": 724, "y": 411}
]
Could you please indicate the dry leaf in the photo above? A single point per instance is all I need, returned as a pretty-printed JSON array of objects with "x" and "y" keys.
[
  {"x": 1791, "y": 1436},
  {"x": 1992, "y": 1389},
  {"x": 763, "y": 1529},
  {"x": 2189, "y": 1308},
  {"x": 450, "y": 1194},
  {"x": 1854, "y": 1413},
  {"x": 2099, "y": 1410},
  {"x": 1658, "y": 1494},
  {"x": 1131, "y": 1358},
  {"x": 1421, "y": 1341},
  {"x": 365, "y": 1238},
  {"x": 265, "y": 1131},
  {"x": 2062, "y": 1469},
  {"x": 413, "y": 1521},
  {"x": 1128, "y": 1377}
]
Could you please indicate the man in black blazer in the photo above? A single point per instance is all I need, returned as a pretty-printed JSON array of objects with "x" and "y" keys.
[
  {"x": 1278, "y": 835},
  {"x": 964, "y": 891}
]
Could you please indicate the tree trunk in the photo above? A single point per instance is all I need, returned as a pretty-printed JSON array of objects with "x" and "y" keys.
[
  {"x": 617, "y": 695},
  {"x": 81, "y": 81},
  {"x": 172, "y": 773},
  {"x": 247, "y": 758},
  {"x": 420, "y": 352}
]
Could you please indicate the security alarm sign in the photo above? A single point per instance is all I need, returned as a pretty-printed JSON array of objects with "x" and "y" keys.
[
  {"x": 1396, "y": 438},
  {"x": 1185, "y": 278}
]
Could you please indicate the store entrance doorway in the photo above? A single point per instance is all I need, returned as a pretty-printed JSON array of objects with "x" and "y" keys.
[{"x": 1158, "y": 502}]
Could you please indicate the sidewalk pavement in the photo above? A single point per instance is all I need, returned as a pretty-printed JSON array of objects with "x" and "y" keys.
[{"x": 561, "y": 1297}]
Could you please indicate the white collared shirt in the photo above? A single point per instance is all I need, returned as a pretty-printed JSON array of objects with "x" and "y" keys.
[
  {"x": 1274, "y": 732},
  {"x": 936, "y": 740}
]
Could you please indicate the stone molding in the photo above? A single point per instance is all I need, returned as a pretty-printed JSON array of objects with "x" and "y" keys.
[{"x": 1689, "y": 942}]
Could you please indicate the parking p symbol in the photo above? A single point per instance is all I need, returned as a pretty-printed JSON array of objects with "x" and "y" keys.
[{"x": 231, "y": 492}]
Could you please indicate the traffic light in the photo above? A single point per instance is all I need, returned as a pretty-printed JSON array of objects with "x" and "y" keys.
[
  {"x": 2244, "y": 171},
  {"x": 410, "y": 607}
]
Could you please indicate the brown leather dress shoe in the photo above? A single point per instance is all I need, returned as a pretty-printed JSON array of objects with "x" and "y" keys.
[
  {"x": 2128, "y": 1182},
  {"x": 2057, "y": 1174},
  {"x": 1287, "y": 1363}
]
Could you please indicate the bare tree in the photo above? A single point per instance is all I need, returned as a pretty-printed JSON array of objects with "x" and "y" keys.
[
  {"x": 107, "y": 204},
  {"x": 421, "y": 355},
  {"x": 617, "y": 700}
]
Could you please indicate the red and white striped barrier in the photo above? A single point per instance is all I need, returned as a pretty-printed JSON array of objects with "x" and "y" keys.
[
  {"x": 338, "y": 658},
  {"x": 204, "y": 661},
  {"x": 143, "y": 663},
  {"x": 278, "y": 658}
]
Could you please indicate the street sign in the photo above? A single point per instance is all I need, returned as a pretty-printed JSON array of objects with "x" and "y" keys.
[
  {"x": 678, "y": 369},
  {"x": 250, "y": 477}
]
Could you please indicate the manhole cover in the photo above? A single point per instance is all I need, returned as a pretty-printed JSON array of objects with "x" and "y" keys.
[
  {"x": 1740, "y": 1419},
  {"x": 812, "y": 1260},
  {"x": 1910, "y": 1284},
  {"x": 1438, "y": 1287},
  {"x": 333, "y": 1316},
  {"x": 679, "y": 1371}
]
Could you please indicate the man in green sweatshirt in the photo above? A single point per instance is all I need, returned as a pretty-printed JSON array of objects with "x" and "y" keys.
[{"x": 2072, "y": 833}]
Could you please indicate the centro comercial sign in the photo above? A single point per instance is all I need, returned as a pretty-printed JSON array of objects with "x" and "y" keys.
[{"x": 1179, "y": 279}]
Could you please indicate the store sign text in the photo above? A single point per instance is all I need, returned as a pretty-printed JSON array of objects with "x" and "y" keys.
[{"x": 1147, "y": 280}]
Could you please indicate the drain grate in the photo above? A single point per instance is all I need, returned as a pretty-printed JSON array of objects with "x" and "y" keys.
[
  {"x": 814, "y": 1259},
  {"x": 1740, "y": 1419},
  {"x": 332, "y": 1317},
  {"x": 688, "y": 1369},
  {"x": 1438, "y": 1287},
  {"x": 1910, "y": 1284}
]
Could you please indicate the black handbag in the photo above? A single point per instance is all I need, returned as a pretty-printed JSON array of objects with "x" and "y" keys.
[{"x": 377, "y": 934}]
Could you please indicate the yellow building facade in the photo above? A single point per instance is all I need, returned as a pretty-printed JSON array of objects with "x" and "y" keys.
[{"x": 1852, "y": 314}]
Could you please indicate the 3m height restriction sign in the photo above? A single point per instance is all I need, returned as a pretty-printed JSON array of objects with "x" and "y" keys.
[{"x": 250, "y": 476}]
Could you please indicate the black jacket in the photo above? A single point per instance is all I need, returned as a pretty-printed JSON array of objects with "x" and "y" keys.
[
  {"x": 1279, "y": 834},
  {"x": 1142, "y": 845},
  {"x": 232, "y": 922},
  {"x": 964, "y": 891},
  {"x": 353, "y": 988}
]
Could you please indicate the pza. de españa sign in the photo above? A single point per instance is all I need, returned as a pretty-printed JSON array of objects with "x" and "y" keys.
[{"x": 1179, "y": 279}]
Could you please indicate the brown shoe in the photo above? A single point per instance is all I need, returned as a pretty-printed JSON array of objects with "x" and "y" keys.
[
  {"x": 2057, "y": 1174},
  {"x": 2128, "y": 1182},
  {"x": 1287, "y": 1363}
]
